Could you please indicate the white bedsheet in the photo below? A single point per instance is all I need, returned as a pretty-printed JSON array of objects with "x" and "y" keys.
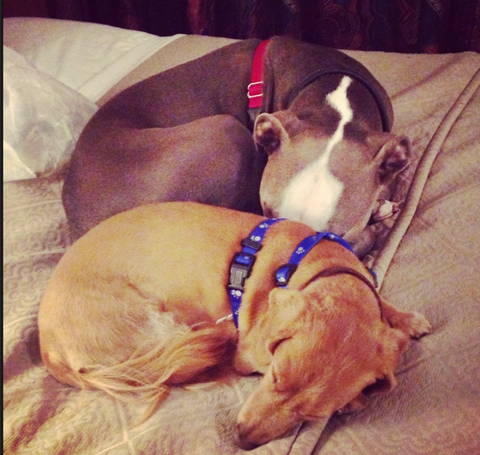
[
  {"x": 42, "y": 119},
  {"x": 90, "y": 58},
  {"x": 54, "y": 72}
]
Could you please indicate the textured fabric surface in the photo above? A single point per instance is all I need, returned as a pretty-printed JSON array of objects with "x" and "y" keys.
[
  {"x": 42, "y": 416},
  {"x": 88, "y": 58},
  {"x": 431, "y": 262},
  {"x": 432, "y": 267}
]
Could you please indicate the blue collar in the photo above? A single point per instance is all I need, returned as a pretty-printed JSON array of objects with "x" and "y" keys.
[
  {"x": 242, "y": 262},
  {"x": 284, "y": 273}
]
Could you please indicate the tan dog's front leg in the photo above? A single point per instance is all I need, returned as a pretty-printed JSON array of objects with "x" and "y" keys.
[{"x": 412, "y": 323}]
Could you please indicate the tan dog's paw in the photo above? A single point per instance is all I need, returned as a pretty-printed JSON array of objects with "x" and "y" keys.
[
  {"x": 419, "y": 325},
  {"x": 410, "y": 323},
  {"x": 355, "y": 405}
]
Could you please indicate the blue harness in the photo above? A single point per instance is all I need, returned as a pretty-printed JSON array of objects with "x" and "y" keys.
[{"x": 242, "y": 262}]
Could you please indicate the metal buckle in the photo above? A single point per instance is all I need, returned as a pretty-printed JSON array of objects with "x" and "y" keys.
[
  {"x": 239, "y": 272},
  {"x": 288, "y": 270},
  {"x": 248, "y": 90}
]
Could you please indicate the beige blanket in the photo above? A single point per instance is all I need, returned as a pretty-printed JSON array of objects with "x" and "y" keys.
[{"x": 429, "y": 263}]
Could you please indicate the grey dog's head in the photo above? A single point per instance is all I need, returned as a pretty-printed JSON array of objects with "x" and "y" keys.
[{"x": 327, "y": 184}]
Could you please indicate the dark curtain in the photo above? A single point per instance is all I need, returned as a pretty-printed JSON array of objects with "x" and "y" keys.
[
  {"x": 427, "y": 26},
  {"x": 158, "y": 17},
  {"x": 389, "y": 25}
]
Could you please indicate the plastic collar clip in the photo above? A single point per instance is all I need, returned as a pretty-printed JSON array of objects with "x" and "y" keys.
[
  {"x": 240, "y": 269},
  {"x": 242, "y": 264}
]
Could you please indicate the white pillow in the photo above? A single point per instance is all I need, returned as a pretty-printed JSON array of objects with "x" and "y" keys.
[
  {"x": 90, "y": 58},
  {"x": 42, "y": 119}
]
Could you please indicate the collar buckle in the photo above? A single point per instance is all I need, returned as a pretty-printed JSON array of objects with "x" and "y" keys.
[
  {"x": 254, "y": 90},
  {"x": 253, "y": 244},
  {"x": 240, "y": 269}
]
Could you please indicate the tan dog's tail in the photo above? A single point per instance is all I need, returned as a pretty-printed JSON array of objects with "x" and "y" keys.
[{"x": 184, "y": 356}]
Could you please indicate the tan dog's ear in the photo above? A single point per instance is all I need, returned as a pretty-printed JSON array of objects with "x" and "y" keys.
[
  {"x": 381, "y": 386},
  {"x": 393, "y": 157},
  {"x": 357, "y": 404},
  {"x": 284, "y": 308}
]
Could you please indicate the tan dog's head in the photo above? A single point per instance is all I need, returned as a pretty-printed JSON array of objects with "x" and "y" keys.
[
  {"x": 321, "y": 350},
  {"x": 324, "y": 179}
]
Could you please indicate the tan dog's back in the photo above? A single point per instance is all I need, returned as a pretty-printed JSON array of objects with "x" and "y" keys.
[{"x": 123, "y": 291}]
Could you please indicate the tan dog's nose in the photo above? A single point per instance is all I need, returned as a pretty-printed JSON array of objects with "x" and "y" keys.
[{"x": 243, "y": 438}]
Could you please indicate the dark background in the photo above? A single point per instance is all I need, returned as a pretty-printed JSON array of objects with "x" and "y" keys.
[{"x": 415, "y": 26}]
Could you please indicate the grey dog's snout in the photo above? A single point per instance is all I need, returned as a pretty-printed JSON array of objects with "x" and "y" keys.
[{"x": 269, "y": 213}]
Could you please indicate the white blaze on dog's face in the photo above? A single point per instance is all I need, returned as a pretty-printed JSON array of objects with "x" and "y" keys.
[
  {"x": 325, "y": 350},
  {"x": 312, "y": 195},
  {"x": 323, "y": 169}
]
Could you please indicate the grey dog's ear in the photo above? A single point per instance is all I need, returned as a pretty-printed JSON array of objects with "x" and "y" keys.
[
  {"x": 393, "y": 157},
  {"x": 271, "y": 130}
]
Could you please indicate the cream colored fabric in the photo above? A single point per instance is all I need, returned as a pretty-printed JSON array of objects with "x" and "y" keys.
[
  {"x": 432, "y": 265},
  {"x": 89, "y": 58},
  {"x": 42, "y": 416}
]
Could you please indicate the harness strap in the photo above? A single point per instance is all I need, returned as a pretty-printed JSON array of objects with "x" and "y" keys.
[
  {"x": 242, "y": 264},
  {"x": 285, "y": 271},
  {"x": 243, "y": 261}
]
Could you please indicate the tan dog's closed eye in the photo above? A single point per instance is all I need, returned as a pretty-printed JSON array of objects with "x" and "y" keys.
[{"x": 132, "y": 309}]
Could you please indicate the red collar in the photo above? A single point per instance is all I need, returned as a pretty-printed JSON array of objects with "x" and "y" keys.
[{"x": 255, "y": 88}]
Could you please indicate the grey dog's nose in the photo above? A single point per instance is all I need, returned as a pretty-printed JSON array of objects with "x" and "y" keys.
[{"x": 269, "y": 213}]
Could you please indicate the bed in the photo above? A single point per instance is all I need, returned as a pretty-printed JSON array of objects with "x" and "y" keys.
[{"x": 426, "y": 257}]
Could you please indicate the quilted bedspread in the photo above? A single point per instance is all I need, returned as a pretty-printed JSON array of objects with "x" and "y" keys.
[{"x": 429, "y": 262}]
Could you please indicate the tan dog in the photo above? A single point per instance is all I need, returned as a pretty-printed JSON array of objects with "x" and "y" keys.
[{"x": 133, "y": 306}]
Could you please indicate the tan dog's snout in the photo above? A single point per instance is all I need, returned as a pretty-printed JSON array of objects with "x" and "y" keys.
[
  {"x": 329, "y": 351},
  {"x": 266, "y": 415},
  {"x": 252, "y": 433}
]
